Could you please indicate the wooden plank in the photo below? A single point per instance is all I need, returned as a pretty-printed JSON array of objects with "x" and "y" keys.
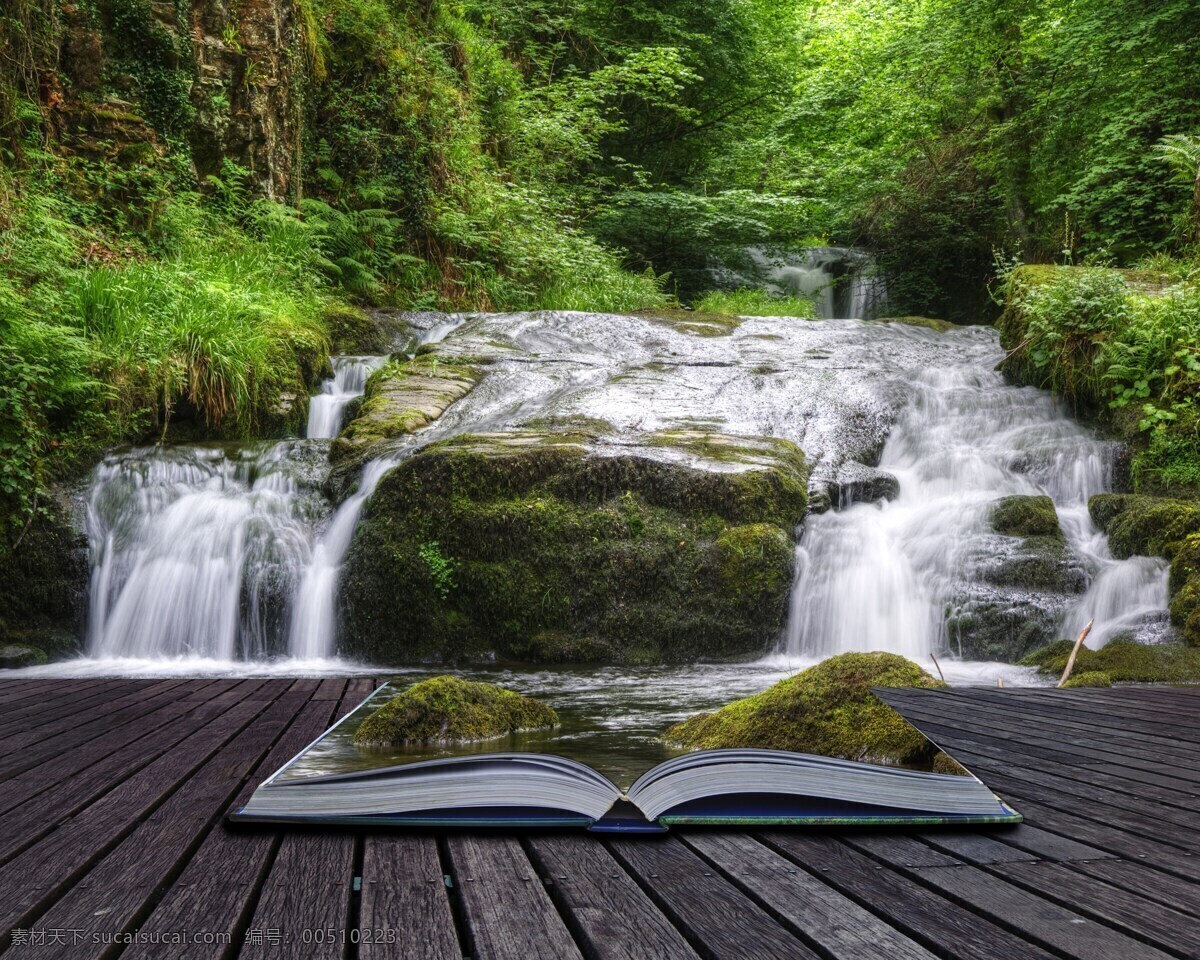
[
  {"x": 945, "y": 927},
  {"x": 610, "y": 915},
  {"x": 1167, "y": 928},
  {"x": 217, "y": 889},
  {"x": 826, "y": 919},
  {"x": 34, "y": 879},
  {"x": 405, "y": 910},
  {"x": 704, "y": 905},
  {"x": 1063, "y": 930},
  {"x": 116, "y": 892},
  {"x": 72, "y": 757},
  {"x": 330, "y": 688},
  {"x": 1141, "y": 877},
  {"x": 309, "y": 911},
  {"x": 30, "y": 747},
  {"x": 507, "y": 912},
  {"x": 27, "y": 823},
  {"x": 303, "y": 908}
]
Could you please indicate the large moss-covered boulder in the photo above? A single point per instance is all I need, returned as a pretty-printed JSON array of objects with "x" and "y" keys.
[
  {"x": 562, "y": 546},
  {"x": 828, "y": 709},
  {"x": 1122, "y": 660},
  {"x": 1163, "y": 527},
  {"x": 452, "y": 710}
]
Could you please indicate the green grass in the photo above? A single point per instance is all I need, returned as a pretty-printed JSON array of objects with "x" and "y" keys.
[{"x": 751, "y": 302}]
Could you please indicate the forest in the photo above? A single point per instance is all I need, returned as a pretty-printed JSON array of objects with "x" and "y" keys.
[{"x": 197, "y": 198}]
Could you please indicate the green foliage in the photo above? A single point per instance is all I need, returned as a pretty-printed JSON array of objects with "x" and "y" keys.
[
  {"x": 1125, "y": 344},
  {"x": 754, "y": 302},
  {"x": 441, "y": 567}
]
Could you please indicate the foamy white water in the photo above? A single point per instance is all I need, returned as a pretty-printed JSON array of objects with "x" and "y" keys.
[
  {"x": 883, "y": 576},
  {"x": 327, "y": 408}
]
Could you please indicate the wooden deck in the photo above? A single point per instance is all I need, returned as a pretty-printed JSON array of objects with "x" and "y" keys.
[{"x": 113, "y": 844}]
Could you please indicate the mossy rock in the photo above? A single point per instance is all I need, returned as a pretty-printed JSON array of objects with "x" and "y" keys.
[
  {"x": 828, "y": 709},
  {"x": 700, "y": 323},
  {"x": 14, "y": 655},
  {"x": 929, "y": 323},
  {"x": 1088, "y": 679},
  {"x": 401, "y": 397},
  {"x": 1124, "y": 661},
  {"x": 1163, "y": 527},
  {"x": 452, "y": 710},
  {"x": 1026, "y": 516},
  {"x": 1145, "y": 526},
  {"x": 44, "y": 584},
  {"x": 537, "y": 546}
]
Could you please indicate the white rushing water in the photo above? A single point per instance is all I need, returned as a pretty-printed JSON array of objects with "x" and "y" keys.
[
  {"x": 842, "y": 282},
  {"x": 193, "y": 552},
  {"x": 326, "y": 409},
  {"x": 883, "y": 576}
]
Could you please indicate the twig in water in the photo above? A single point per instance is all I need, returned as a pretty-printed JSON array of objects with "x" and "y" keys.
[
  {"x": 939, "y": 667},
  {"x": 1000, "y": 682},
  {"x": 1075, "y": 651}
]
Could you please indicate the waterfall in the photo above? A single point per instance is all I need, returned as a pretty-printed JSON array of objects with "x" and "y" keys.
[
  {"x": 325, "y": 410},
  {"x": 882, "y": 576},
  {"x": 313, "y": 632},
  {"x": 842, "y": 282},
  {"x": 192, "y": 553}
]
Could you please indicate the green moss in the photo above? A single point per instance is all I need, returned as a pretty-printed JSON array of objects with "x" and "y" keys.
[
  {"x": 1123, "y": 661},
  {"x": 930, "y": 323},
  {"x": 828, "y": 709},
  {"x": 1089, "y": 679},
  {"x": 449, "y": 709},
  {"x": 701, "y": 323},
  {"x": 401, "y": 397},
  {"x": 1145, "y": 526},
  {"x": 1026, "y": 516},
  {"x": 566, "y": 550},
  {"x": 13, "y": 655},
  {"x": 354, "y": 331}
]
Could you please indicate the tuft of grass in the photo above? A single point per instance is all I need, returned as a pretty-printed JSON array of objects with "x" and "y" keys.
[{"x": 752, "y": 302}]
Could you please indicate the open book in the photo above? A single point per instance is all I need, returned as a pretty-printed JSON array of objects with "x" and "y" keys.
[{"x": 332, "y": 782}]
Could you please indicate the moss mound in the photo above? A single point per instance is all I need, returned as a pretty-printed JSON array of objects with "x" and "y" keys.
[
  {"x": 1123, "y": 661},
  {"x": 828, "y": 709},
  {"x": 554, "y": 547},
  {"x": 1026, "y": 516},
  {"x": 449, "y": 709},
  {"x": 1089, "y": 679}
]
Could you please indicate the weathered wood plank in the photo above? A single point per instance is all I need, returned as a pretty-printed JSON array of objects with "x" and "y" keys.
[
  {"x": 507, "y": 912},
  {"x": 942, "y": 925},
  {"x": 217, "y": 889},
  {"x": 113, "y": 895},
  {"x": 405, "y": 909},
  {"x": 33, "y": 880},
  {"x": 825, "y": 918},
  {"x": 1066, "y": 931},
  {"x": 28, "y": 822},
  {"x": 704, "y": 905},
  {"x": 305, "y": 901},
  {"x": 610, "y": 915}
]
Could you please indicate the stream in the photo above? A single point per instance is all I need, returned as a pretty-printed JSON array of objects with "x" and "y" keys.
[{"x": 224, "y": 559}]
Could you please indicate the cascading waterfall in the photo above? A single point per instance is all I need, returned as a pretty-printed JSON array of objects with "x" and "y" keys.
[
  {"x": 193, "y": 552},
  {"x": 842, "y": 282},
  {"x": 326, "y": 409},
  {"x": 882, "y": 576}
]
